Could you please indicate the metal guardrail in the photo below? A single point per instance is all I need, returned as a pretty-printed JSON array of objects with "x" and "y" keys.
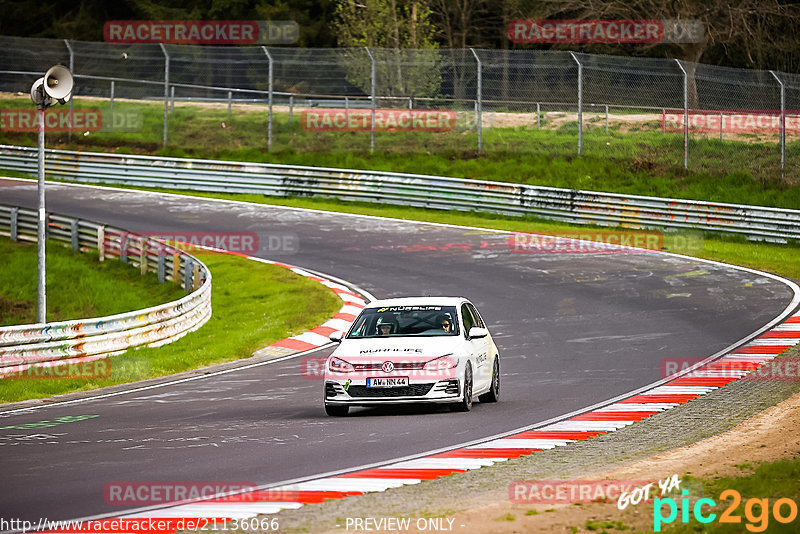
[
  {"x": 568, "y": 205},
  {"x": 24, "y": 346}
]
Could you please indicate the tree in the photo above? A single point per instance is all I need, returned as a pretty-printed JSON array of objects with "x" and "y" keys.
[{"x": 400, "y": 35}]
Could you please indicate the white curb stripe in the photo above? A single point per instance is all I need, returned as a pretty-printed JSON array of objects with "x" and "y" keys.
[
  {"x": 584, "y": 426},
  {"x": 638, "y": 407}
]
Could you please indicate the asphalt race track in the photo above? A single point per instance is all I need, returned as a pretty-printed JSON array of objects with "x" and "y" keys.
[{"x": 573, "y": 330}]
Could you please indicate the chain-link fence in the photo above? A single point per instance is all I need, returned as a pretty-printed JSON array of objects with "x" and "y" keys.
[{"x": 657, "y": 112}]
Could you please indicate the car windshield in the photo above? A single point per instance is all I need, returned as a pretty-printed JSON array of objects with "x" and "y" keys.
[{"x": 402, "y": 321}]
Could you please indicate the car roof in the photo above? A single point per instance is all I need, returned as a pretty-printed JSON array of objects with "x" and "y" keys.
[{"x": 418, "y": 301}]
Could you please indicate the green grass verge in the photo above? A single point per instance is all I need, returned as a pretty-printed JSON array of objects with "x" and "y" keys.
[
  {"x": 773, "y": 481},
  {"x": 640, "y": 161},
  {"x": 254, "y": 304},
  {"x": 78, "y": 286}
]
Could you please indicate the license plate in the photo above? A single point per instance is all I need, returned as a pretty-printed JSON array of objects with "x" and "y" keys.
[{"x": 399, "y": 382}]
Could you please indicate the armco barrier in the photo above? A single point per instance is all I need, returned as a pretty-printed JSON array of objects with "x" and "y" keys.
[
  {"x": 574, "y": 206},
  {"x": 24, "y": 346}
]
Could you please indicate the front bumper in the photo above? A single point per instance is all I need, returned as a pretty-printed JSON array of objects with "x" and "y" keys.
[{"x": 358, "y": 394}]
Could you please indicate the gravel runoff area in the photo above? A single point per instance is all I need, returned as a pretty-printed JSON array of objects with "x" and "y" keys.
[{"x": 706, "y": 416}]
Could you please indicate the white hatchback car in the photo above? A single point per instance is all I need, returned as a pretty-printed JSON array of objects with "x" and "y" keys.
[{"x": 412, "y": 350}]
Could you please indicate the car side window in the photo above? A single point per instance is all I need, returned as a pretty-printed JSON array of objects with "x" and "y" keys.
[
  {"x": 476, "y": 316},
  {"x": 467, "y": 320}
]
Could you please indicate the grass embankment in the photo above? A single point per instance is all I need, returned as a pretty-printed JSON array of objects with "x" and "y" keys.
[
  {"x": 638, "y": 160},
  {"x": 254, "y": 304},
  {"x": 766, "y": 483}
]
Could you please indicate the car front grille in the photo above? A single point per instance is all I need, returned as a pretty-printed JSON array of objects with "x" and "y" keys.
[{"x": 414, "y": 390}]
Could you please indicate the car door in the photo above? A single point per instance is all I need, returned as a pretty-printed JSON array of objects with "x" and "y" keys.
[{"x": 479, "y": 347}]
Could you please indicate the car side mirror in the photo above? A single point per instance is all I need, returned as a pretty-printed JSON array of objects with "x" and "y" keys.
[
  {"x": 477, "y": 332},
  {"x": 336, "y": 337}
]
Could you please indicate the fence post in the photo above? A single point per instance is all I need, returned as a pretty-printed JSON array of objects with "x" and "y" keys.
[
  {"x": 721, "y": 119},
  {"x": 685, "y": 115},
  {"x": 580, "y": 102},
  {"x": 372, "y": 96},
  {"x": 166, "y": 91},
  {"x": 479, "y": 100},
  {"x": 538, "y": 117},
  {"x": 172, "y": 99},
  {"x": 176, "y": 268},
  {"x": 346, "y": 110},
  {"x": 783, "y": 120},
  {"x": 123, "y": 248},
  {"x": 269, "y": 100},
  {"x": 291, "y": 108},
  {"x": 72, "y": 70},
  {"x": 230, "y": 97},
  {"x": 606, "y": 119},
  {"x": 111, "y": 100}
]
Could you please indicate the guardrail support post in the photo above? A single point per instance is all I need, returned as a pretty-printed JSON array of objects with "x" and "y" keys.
[
  {"x": 166, "y": 91},
  {"x": 176, "y": 268},
  {"x": 73, "y": 227},
  {"x": 187, "y": 274},
  {"x": 195, "y": 276},
  {"x": 162, "y": 266},
  {"x": 101, "y": 243},
  {"x": 72, "y": 70},
  {"x": 372, "y": 97},
  {"x": 783, "y": 120},
  {"x": 269, "y": 100},
  {"x": 123, "y": 248},
  {"x": 13, "y": 224},
  {"x": 580, "y": 102},
  {"x": 479, "y": 100},
  {"x": 143, "y": 255},
  {"x": 111, "y": 99},
  {"x": 685, "y": 114}
]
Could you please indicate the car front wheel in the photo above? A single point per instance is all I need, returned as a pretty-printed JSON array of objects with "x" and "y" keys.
[
  {"x": 465, "y": 404},
  {"x": 493, "y": 395}
]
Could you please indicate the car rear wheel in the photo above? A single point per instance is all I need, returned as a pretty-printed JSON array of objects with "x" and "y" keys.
[
  {"x": 493, "y": 395},
  {"x": 465, "y": 404},
  {"x": 336, "y": 410}
]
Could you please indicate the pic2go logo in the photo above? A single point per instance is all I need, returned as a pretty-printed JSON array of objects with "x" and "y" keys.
[{"x": 756, "y": 511}]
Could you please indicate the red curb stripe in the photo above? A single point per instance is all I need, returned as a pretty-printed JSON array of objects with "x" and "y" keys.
[
  {"x": 294, "y": 344},
  {"x": 485, "y": 453},
  {"x": 643, "y": 399},
  {"x": 422, "y": 474},
  {"x": 349, "y": 317},
  {"x": 612, "y": 416},
  {"x": 781, "y": 334},
  {"x": 761, "y": 349},
  {"x": 732, "y": 366},
  {"x": 324, "y": 330},
  {"x": 304, "y": 496},
  {"x": 795, "y": 319},
  {"x": 559, "y": 434},
  {"x": 284, "y": 265},
  {"x": 702, "y": 381}
]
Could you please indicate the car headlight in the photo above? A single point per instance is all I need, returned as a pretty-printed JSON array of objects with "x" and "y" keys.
[
  {"x": 338, "y": 365},
  {"x": 441, "y": 363}
]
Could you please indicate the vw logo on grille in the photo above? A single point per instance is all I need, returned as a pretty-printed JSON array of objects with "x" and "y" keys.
[{"x": 387, "y": 367}]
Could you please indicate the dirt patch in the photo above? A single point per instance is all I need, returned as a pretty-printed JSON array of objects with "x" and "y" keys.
[{"x": 11, "y": 311}]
